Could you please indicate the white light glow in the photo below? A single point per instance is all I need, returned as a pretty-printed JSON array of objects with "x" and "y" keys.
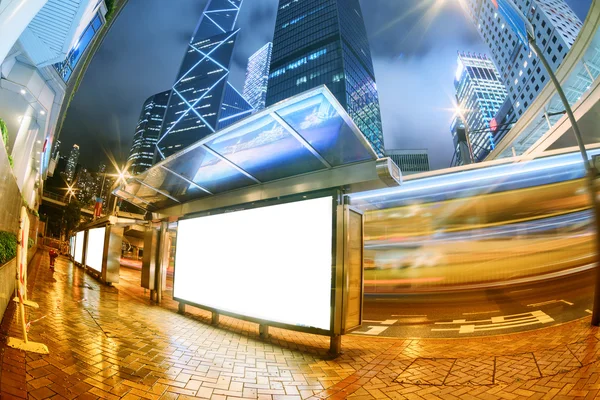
[
  {"x": 95, "y": 248},
  {"x": 271, "y": 263},
  {"x": 79, "y": 247}
]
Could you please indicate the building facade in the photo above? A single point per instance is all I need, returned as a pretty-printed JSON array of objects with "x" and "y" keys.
[
  {"x": 37, "y": 35},
  {"x": 556, "y": 28},
  {"x": 147, "y": 131},
  {"x": 479, "y": 95},
  {"x": 257, "y": 77},
  {"x": 202, "y": 100},
  {"x": 410, "y": 161},
  {"x": 324, "y": 42},
  {"x": 72, "y": 164}
]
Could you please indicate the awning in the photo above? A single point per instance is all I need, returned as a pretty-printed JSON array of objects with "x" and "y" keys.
[{"x": 306, "y": 133}]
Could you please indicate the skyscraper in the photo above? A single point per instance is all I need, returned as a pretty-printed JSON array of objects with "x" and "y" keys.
[
  {"x": 556, "y": 27},
  {"x": 324, "y": 42},
  {"x": 202, "y": 99},
  {"x": 257, "y": 77},
  {"x": 72, "y": 163},
  {"x": 147, "y": 131},
  {"x": 479, "y": 95}
]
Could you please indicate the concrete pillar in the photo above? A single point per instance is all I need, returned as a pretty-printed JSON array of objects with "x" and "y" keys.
[{"x": 15, "y": 15}]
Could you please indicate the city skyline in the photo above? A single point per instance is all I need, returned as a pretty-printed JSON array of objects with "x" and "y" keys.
[{"x": 414, "y": 73}]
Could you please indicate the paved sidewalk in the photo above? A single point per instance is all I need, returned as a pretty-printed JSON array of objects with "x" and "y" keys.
[{"x": 111, "y": 342}]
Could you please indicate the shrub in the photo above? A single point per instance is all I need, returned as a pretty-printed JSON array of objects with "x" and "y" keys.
[
  {"x": 8, "y": 246},
  {"x": 11, "y": 161},
  {"x": 4, "y": 132},
  {"x": 30, "y": 243}
]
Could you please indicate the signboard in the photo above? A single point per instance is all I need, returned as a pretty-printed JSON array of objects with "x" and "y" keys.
[
  {"x": 95, "y": 248},
  {"x": 79, "y": 241},
  {"x": 494, "y": 125},
  {"x": 272, "y": 263},
  {"x": 516, "y": 20}
]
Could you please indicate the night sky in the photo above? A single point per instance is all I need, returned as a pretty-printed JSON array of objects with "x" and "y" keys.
[{"x": 413, "y": 44}]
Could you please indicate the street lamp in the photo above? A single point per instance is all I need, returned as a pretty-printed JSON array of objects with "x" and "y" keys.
[
  {"x": 460, "y": 113},
  {"x": 524, "y": 30}
]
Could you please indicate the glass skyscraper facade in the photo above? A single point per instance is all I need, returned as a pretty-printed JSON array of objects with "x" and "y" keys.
[
  {"x": 556, "y": 28},
  {"x": 202, "y": 100},
  {"x": 142, "y": 151},
  {"x": 479, "y": 95},
  {"x": 257, "y": 77},
  {"x": 324, "y": 42},
  {"x": 72, "y": 163}
]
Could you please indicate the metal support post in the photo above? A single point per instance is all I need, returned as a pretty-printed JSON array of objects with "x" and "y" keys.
[
  {"x": 263, "y": 331},
  {"x": 335, "y": 345},
  {"x": 215, "y": 318},
  {"x": 181, "y": 308},
  {"x": 163, "y": 259},
  {"x": 590, "y": 173}
]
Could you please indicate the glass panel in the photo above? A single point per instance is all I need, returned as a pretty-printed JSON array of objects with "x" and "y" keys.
[
  {"x": 265, "y": 150},
  {"x": 318, "y": 122},
  {"x": 208, "y": 171},
  {"x": 80, "y": 47},
  {"x": 97, "y": 23},
  {"x": 171, "y": 184}
]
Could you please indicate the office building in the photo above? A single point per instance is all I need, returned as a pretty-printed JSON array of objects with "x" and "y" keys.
[
  {"x": 202, "y": 100},
  {"x": 257, "y": 77},
  {"x": 72, "y": 163},
  {"x": 410, "y": 161},
  {"x": 556, "y": 28},
  {"x": 324, "y": 42},
  {"x": 147, "y": 132},
  {"x": 479, "y": 95},
  {"x": 37, "y": 37}
]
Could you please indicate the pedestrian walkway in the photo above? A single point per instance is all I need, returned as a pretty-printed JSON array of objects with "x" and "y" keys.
[{"x": 111, "y": 342}]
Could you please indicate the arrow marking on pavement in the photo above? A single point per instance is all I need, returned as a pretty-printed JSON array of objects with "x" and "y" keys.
[{"x": 502, "y": 322}]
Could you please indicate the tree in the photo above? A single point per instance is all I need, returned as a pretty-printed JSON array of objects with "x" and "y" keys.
[{"x": 71, "y": 216}]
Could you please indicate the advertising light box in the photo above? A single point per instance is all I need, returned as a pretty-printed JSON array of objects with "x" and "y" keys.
[
  {"x": 272, "y": 263},
  {"x": 95, "y": 248},
  {"x": 72, "y": 247},
  {"x": 79, "y": 246}
]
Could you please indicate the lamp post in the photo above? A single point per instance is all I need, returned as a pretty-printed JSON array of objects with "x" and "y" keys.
[{"x": 524, "y": 30}]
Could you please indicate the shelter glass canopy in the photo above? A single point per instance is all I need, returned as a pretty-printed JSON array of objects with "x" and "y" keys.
[{"x": 306, "y": 133}]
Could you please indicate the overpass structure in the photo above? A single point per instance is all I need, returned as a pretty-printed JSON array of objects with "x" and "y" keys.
[
  {"x": 545, "y": 126},
  {"x": 59, "y": 200}
]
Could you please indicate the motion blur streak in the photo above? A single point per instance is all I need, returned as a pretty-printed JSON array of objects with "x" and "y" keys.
[{"x": 491, "y": 225}]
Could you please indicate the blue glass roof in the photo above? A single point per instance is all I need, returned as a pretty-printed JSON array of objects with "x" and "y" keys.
[{"x": 306, "y": 133}]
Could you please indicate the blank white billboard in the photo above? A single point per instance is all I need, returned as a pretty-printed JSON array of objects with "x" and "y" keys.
[
  {"x": 95, "y": 248},
  {"x": 272, "y": 263},
  {"x": 79, "y": 246}
]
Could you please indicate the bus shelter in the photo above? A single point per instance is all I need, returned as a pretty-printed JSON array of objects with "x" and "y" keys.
[
  {"x": 96, "y": 247},
  {"x": 265, "y": 229}
]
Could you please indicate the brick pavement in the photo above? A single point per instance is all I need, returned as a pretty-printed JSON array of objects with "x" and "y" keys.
[{"x": 111, "y": 342}]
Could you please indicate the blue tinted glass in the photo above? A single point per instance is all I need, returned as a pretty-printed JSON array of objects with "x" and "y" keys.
[
  {"x": 83, "y": 43},
  {"x": 318, "y": 122},
  {"x": 266, "y": 150},
  {"x": 208, "y": 171},
  {"x": 97, "y": 23}
]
